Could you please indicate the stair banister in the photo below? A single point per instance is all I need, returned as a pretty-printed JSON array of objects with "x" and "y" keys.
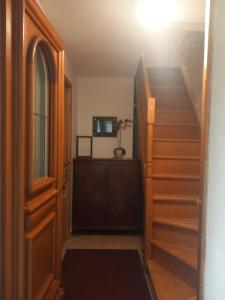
[{"x": 147, "y": 117}]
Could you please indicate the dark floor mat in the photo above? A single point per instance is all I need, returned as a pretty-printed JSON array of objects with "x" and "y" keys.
[{"x": 104, "y": 275}]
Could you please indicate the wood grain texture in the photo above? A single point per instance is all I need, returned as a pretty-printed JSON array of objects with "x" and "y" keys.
[
  {"x": 67, "y": 180},
  {"x": 7, "y": 235},
  {"x": 107, "y": 195},
  {"x": 164, "y": 281},
  {"x": 36, "y": 201},
  {"x": 206, "y": 85},
  {"x": 172, "y": 182},
  {"x": 145, "y": 126},
  {"x": 41, "y": 257}
]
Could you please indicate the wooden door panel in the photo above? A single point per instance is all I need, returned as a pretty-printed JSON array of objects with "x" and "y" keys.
[
  {"x": 40, "y": 243},
  {"x": 44, "y": 197},
  {"x": 31, "y": 242}
]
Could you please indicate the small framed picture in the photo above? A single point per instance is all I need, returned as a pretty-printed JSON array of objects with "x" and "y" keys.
[{"x": 84, "y": 146}]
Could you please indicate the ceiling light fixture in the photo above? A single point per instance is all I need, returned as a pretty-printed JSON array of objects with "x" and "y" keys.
[{"x": 156, "y": 13}]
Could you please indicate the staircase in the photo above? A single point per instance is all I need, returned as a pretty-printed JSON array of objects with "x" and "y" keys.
[{"x": 172, "y": 185}]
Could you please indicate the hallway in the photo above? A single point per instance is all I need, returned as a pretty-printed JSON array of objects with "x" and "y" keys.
[{"x": 111, "y": 158}]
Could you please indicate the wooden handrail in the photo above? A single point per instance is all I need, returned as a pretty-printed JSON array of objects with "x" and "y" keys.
[{"x": 146, "y": 120}]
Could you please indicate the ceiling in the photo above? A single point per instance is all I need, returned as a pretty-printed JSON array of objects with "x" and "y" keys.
[{"x": 103, "y": 37}]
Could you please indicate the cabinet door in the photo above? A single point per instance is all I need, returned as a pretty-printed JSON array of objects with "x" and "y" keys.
[
  {"x": 91, "y": 196},
  {"x": 124, "y": 196},
  {"x": 43, "y": 81}
]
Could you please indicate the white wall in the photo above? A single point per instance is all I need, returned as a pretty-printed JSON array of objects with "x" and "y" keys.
[
  {"x": 105, "y": 97},
  {"x": 190, "y": 51},
  {"x": 214, "y": 276},
  {"x": 71, "y": 75}
]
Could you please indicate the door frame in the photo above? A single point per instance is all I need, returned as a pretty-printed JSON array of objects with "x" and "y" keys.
[
  {"x": 68, "y": 93},
  {"x": 10, "y": 86},
  {"x": 6, "y": 156}
]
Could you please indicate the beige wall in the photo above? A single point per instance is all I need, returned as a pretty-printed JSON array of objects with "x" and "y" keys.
[
  {"x": 71, "y": 75},
  {"x": 183, "y": 49},
  {"x": 190, "y": 52},
  {"x": 214, "y": 276},
  {"x": 105, "y": 97}
]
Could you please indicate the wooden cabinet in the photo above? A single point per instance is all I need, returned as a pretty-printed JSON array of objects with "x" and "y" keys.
[{"x": 107, "y": 195}]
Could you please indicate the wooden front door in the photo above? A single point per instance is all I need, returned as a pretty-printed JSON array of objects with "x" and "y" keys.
[
  {"x": 44, "y": 84},
  {"x": 67, "y": 182}
]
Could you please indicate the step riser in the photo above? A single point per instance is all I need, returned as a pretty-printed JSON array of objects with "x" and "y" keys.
[
  {"x": 165, "y": 72},
  {"x": 173, "y": 104},
  {"x": 174, "y": 210},
  {"x": 174, "y": 132},
  {"x": 166, "y": 81},
  {"x": 176, "y": 148},
  {"x": 178, "y": 236},
  {"x": 173, "y": 167},
  {"x": 172, "y": 92},
  {"x": 176, "y": 187},
  {"x": 175, "y": 117},
  {"x": 177, "y": 268}
]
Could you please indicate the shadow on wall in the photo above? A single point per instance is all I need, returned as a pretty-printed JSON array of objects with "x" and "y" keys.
[
  {"x": 190, "y": 55},
  {"x": 184, "y": 49}
]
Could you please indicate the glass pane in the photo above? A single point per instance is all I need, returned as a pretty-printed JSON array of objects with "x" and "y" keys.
[
  {"x": 108, "y": 126},
  {"x": 41, "y": 118},
  {"x": 40, "y": 157}
]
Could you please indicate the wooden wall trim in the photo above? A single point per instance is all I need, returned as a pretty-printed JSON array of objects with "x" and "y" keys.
[
  {"x": 6, "y": 160},
  {"x": 34, "y": 10},
  {"x": 60, "y": 163},
  {"x": 19, "y": 143},
  {"x": 32, "y": 234},
  {"x": 206, "y": 84},
  {"x": 36, "y": 203}
]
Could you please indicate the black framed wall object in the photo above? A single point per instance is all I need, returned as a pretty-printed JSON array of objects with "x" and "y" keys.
[
  {"x": 84, "y": 146},
  {"x": 104, "y": 126}
]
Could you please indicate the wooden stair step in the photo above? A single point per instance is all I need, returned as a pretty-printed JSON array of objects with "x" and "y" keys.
[
  {"x": 176, "y": 125},
  {"x": 175, "y": 234},
  {"x": 173, "y": 166},
  {"x": 177, "y": 140},
  {"x": 176, "y": 147},
  {"x": 167, "y": 286},
  {"x": 170, "y": 111},
  {"x": 176, "y": 131},
  {"x": 176, "y": 157},
  {"x": 173, "y": 92},
  {"x": 188, "y": 224},
  {"x": 175, "y": 209},
  {"x": 175, "y": 185},
  {"x": 184, "y": 254},
  {"x": 156, "y": 80},
  {"x": 164, "y": 71},
  {"x": 179, "y": 116},
  {"x": 176, "y": 198},
  {"x": 177, "y": 177},
  {"x": 175, "y": 103}
]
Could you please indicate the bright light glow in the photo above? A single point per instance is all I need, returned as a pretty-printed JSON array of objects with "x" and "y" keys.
[{"x": 156, "y": 13}]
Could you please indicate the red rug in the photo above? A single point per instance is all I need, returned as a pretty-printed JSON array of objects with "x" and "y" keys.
[{"x": 104, "y": 275}]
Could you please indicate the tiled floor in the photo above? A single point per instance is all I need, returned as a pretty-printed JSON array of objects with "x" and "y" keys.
[{"x": 105, "y": 242}]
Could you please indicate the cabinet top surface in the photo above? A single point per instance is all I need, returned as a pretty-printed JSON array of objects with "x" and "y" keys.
[{"x": 106, "y": 159}]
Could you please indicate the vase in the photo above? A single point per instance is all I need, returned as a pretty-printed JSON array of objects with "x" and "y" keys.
[{"x": 119, "y": 153}]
